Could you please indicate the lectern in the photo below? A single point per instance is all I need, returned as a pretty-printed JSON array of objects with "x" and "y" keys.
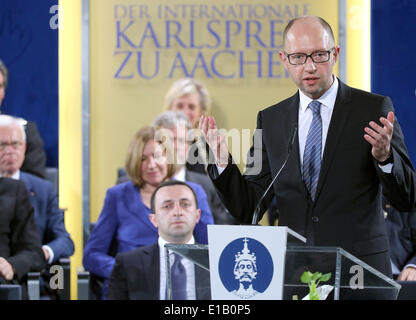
[{"x": 251, "y": 275}]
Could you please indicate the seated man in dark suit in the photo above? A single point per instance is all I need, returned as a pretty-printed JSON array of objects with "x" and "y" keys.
[
  {"x": 48, "y": 217},
  {"x": 401, "y": 231},
  {"x": 140, "y": 273},
  {"x": 35, "y": 157},
  {"x": 20, "y": 247}
]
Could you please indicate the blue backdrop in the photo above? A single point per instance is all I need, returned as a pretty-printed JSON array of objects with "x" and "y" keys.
[
  {"x": 29, "y": 48},
  {"x": 393, "y": 61}
]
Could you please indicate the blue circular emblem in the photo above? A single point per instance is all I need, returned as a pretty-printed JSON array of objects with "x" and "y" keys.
[{"x": 245, "y": 267}]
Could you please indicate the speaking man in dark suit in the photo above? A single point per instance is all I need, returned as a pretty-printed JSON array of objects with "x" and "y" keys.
[
  {"x": 35, "y": 159},
  {"x": 20, "y": 247},
  {"x": 348, "y": 143},
  {"x": 48, "y": 217},
  {"x": 140, "y": 274}
]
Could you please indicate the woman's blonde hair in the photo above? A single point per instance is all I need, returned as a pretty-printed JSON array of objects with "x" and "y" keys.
[
  {"x": 135, "y": 153},
  {"x": 186, "y": 86}
]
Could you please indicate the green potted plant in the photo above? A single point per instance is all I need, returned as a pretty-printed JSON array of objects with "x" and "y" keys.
[{"x": 313, "y": 280}]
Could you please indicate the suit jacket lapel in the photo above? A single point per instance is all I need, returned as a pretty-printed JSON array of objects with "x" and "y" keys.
[
  {"x": 295, "y": 156},
  {"x": 30, "y": 188},
  {"x": 292, "y": 120},
  {"x": 134, "y": 203},
  {"x": 336, "y": 126},
  {"x": 27, "y": 182}
]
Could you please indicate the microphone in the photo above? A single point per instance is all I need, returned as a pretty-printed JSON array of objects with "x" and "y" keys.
[{"x": 289, "y": 151}]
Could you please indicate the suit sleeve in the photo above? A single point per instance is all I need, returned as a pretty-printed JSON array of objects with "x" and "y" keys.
[
  {"x": 399, "y": 187},
  {"x": 240, "y": 193},
  {"x": 56, "y": 236},
  {"x": 35, "y": 156},
  {"x": 96, "y": 253},
  {"x": 26, "y": 250},
  {"x": 117, "y": 289},
  {"x": 219, "y": 211}
]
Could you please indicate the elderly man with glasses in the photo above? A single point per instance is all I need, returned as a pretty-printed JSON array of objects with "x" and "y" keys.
[{"x": 49, "y": 219}]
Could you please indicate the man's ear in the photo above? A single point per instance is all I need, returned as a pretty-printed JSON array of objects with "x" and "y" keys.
[
  {"x": 336, "y": 54},
  {"x": 153, "y": 220},
  {"x": 283, "y": 58},
  {"x": 198, "y": 213}
]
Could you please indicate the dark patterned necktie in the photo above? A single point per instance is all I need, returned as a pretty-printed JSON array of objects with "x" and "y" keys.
[
  {"x": 313, "y": 150},
  {"x": 178, "y": 273}
]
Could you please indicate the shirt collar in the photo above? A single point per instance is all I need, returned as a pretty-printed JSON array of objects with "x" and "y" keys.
[
  {"x": 162, "y": 243},
  {"x": 181, "y": 175},
  {"x": 15, "y": 176},
  {"x": 327, "y": 99}
]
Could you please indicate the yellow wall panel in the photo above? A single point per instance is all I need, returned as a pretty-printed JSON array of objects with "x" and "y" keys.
[
  {"x": 359, "y": 44},
  {"x": 70, "y": 147}
]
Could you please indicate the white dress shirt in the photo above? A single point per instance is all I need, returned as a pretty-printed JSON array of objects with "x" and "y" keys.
[
  {"x": 180, "y": 176},
  {"x": 189, "y": 267}
]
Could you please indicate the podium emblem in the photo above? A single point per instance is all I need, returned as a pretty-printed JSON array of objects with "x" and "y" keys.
[{"x": 245, "y": 267}]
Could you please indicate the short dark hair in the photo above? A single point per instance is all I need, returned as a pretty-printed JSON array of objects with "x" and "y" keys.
[
  {"x": 322, "y": 21},
  {"x": 168, "y": 184}
]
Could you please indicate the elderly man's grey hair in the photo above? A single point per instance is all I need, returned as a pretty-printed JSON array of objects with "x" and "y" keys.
[
  {"x": 6, "y": 120},
  {"x": 171, "y": 119}
]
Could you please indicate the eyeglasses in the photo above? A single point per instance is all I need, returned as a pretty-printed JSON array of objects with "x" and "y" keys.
[
  {"x": 14, "y": 144},
  {"x": 317, "y": 57}
]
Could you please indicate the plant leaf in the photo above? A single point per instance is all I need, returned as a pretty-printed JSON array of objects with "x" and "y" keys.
[
  {"x": 306, "y": 277},
  {"x": 326, "y": 277},
  {"x": 316, "y": 276}
]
